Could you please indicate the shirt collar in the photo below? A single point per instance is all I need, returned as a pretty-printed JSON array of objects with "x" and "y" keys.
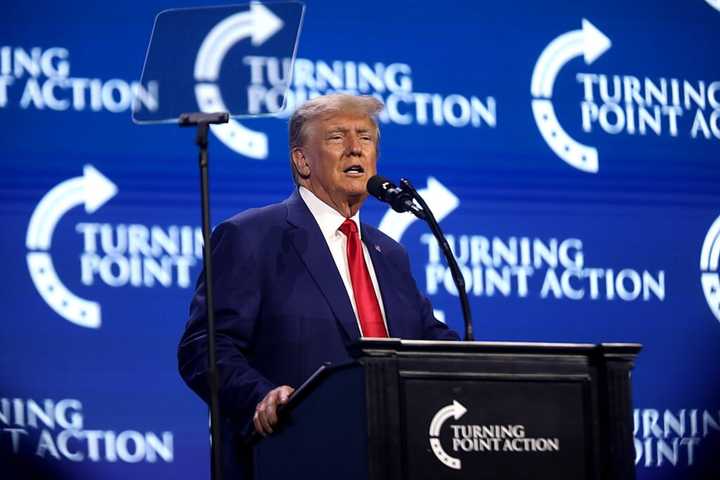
[{"x": 327, "y": 218}]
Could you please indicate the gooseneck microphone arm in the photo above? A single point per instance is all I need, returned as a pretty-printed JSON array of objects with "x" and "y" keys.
[{"x": 457, "y": 276}]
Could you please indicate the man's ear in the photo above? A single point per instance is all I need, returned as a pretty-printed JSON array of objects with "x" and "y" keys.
[{"x": 302, "y": 166}]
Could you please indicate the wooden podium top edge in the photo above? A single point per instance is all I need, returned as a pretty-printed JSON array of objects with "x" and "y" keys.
[{"x": 397, "y": 344}]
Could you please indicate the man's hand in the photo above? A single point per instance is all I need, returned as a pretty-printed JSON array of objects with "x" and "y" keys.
[{"x": 265, "y": 417}]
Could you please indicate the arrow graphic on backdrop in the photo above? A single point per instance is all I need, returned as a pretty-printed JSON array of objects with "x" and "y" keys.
[
  {"x": 709, "y": 262},
  {"x": 440, "y": 200},
  {"x": 258, "y": 24},
  {"x": 714, "y": 3},
  {"x": 93, "y": 189},
  {"x": 590, "y": 43},
  {"x": 456, "y": 410}
]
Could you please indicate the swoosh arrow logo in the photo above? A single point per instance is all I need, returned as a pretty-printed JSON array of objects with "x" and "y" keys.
[
  {"x": 454, "y": 410},
  {"x": 709, "y": 261},
  {"x": 438, "y": 197},
  {"x": 92, "y": 190},
  {"x": 590, "y": 43},
  {"x": 258, "y": 24}
]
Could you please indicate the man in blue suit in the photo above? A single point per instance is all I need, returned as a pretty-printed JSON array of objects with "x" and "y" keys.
[{"x": 299, "y": 281}]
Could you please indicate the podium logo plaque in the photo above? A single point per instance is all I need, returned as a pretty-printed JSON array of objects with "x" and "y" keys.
[{"x": 460, "y": 428}]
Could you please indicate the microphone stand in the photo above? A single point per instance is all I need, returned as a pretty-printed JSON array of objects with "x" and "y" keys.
[
  {"x": 203, "y": 121},
  {"x": 457, "y": 276}
]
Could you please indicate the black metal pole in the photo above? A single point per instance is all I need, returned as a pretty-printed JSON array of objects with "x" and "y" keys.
[
  {"x": 216, "y": 447},
  {"x": 202, "y": 121},
  {"x": 457, "y": 275}
]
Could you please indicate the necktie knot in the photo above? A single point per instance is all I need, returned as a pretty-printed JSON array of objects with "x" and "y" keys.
[{"x": 348, "y": 228}]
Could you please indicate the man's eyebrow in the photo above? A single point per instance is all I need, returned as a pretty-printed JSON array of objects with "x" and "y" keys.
[
  {"x": 341, "y": 129},
  {"x": 368, "y": 130}
]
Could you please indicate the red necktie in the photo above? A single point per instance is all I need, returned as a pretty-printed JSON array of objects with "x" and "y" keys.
[{"x": 368, "y": 308}]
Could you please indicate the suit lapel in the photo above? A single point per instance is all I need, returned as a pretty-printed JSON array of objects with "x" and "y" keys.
[
  {"x": 385, "y": 277},
  {"x": 312, "y": 248}
]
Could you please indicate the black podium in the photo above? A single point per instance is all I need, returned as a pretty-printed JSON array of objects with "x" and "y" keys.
[{"x": 415, "y": 410}]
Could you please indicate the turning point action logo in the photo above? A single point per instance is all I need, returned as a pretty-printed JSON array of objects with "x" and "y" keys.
[
  {"x": 482, "y": 438},
  {"x": 709, "y": 260},
  {"x": 115, "y": 255},
  {"x": 616, "y": 104},
  {"x": 57, "y": 429},
  {"x": 93, "y": 189},
  {"x": 272, "y": 89}
]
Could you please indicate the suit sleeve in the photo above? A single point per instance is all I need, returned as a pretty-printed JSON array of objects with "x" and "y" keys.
[
  {"x": 432, "y": 328},
  {"x": 237, "y": 278}
]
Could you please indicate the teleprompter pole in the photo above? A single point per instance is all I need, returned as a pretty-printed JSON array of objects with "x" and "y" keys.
[{"x": 203, "y": 121}]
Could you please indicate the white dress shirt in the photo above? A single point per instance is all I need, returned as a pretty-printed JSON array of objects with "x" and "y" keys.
[{"x": 329, "y": 221}]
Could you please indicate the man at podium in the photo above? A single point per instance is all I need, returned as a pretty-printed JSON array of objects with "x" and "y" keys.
[{"x": 299, "y": 281}]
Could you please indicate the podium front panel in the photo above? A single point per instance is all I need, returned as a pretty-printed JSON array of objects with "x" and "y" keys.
[{"x": 475, "y": 427}]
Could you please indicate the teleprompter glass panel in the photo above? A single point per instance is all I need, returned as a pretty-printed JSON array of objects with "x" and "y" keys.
[{"x": 204, "y": 59}]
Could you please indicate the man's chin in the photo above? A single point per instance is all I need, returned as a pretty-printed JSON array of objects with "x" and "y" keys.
[
  {"x": 356, "y": 187},
  {"x": 356, "y": 195}
]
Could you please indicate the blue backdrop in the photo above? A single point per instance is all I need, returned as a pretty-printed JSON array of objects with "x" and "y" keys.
[{"x": 571, "y": 150}]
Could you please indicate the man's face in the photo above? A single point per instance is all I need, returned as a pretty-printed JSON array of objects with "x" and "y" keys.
[{"x": 338, "y": 158}]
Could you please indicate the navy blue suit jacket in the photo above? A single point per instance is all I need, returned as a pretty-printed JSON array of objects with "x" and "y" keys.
[{"x": 282, "y": 309}]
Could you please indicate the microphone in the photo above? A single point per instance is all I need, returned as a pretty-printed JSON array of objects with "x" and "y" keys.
[
  {"x": 402, "y": 199},
  {"x": 399, "y": 199}
]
